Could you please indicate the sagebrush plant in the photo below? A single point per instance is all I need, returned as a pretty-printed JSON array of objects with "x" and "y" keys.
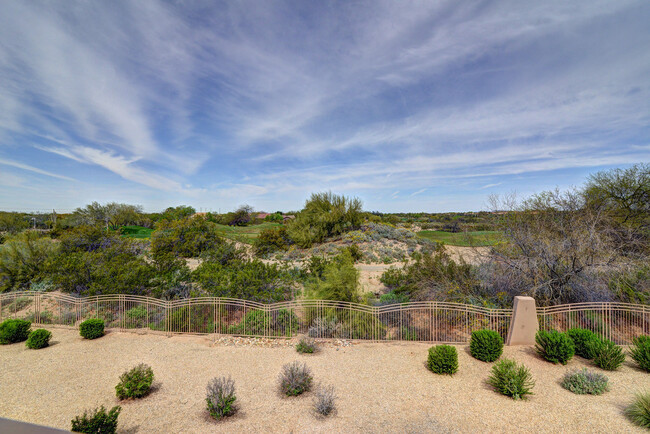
[
  {"x": 324, "y": 400},
  {"x": 486, "y": 345},
  {"x": 443, "y": 359},
  {"x": 306, "y": 345},
  {"x": 14, "y": 330},
  {"x": 609, "y": 356},
  {"x": 135, "y": 383},
  {"x": 639, "y": 410},
  {"x": 585, "y": 342},
  {"x": 554, "y": 346},
  {"x": 92, "y": 328},
  {"x": 295, "y": 378},
  {"x": 97, "y": 421},
  {"x": 640, "y": 352},
  {"x": 582, "y": 381},
  {"x": 511, "y": 379},
  {"x": 39, "y": 338},
  {"x": 221, "y": 397}
]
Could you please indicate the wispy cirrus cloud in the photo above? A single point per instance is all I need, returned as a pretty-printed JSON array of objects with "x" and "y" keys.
[{"x": 264, "y": 102}]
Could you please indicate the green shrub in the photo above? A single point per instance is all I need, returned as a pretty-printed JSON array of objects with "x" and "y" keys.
[
  {"x": 14, "y": 330},
  {"x": 135, "y": 383},
  {"x": 340, "y": 281},
  {"x": 584, "y": 382},
  {"x": 39, "y": 338},
  {"x": 97, "y": 421},
  {"x": 325, "y": 215},
  {"x": 137, "y": 316},
  {"x": 554, "y": 346},
  {"x": 640, "y": 352},
  {"x": 306, "y": 345},
  {"x": 609, "y": 356},
  {"x": 443, "y": 359},
  {"x": 271, "y": 240},
  {"x": 639, "y": 410},
  {"x": 92, "y": 328},
  {"x": 221, "y": 397},
  {"x": 486, "y": 345},
  {"x": 585, "y": 342},
  {"x": 511, "y": 379},
  {"x": 295, "y": 378}
]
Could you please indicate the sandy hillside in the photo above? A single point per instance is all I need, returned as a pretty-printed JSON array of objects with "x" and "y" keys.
[{"x": 382, "y": 387}]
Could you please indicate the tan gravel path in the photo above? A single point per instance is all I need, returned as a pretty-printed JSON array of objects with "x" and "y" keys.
[{"x": 382, "y": 387}]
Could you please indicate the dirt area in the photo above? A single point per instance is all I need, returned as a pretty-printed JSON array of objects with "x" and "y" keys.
[
  {"x": 471, "y": 255},
  {"x": 380, "y": 386}
]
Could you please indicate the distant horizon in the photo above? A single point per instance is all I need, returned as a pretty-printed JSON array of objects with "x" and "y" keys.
[{"x": 407, "y": 106}]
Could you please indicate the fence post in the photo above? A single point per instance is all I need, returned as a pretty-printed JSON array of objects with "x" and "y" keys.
[{"x": 523, "y": 323}]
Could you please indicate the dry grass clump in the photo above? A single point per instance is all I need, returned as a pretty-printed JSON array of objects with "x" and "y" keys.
[
  {"x": 221, "y": 397},
  {"x": 295, "y": 378},
  {"x": 324, "y": 400}
]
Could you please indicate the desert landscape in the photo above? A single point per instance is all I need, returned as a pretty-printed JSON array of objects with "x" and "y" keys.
[{"x": 380, "y": 386}]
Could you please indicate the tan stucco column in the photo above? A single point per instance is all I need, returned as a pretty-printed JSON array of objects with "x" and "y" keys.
[{"x": 524, "y": 324}]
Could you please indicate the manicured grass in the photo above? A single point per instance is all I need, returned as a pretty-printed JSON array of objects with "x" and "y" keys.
[
  {"x": 136, "y": 232},
  {"x": 245, "y": 234},
  {"x": 464, "y": 239}
]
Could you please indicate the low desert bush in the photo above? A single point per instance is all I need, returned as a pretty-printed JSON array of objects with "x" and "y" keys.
[
  {"x": 609, "y": 356},
  {"x": 443, "y": 359},
  {"x": 585, "y": 342},
  {"x": 92, "y": 328},
  {"x": 306, "y": 345},
  {"x": 639, "y": 410},
  {"x": 295, "y": 379},
  {"x": 554, "y": 346},
  {"x": 324, "y": 400},
  {"x": 221, "y": 397},
  {"x": 640, "y": 352},
  {"x": 38, "y": 339},
  {"x": 511, "y": 379},
  {"x": 486, "y": 345},
  {"x": 97, "y": 421},
  {"x": 14, "y": 330},
  {"x": 584, "y": 382},
  {"x": 135, "y": 383}
]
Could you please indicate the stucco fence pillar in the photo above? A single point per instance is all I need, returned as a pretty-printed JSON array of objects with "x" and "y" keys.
[{"x": 524, "y": 323}]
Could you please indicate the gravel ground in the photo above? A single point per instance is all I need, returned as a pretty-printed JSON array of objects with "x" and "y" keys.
[{"x": 382, "y": 387}]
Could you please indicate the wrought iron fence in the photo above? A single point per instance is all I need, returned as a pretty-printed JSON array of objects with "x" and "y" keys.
[
  {"x": 418, "y": 321},
  {"x": 427, "y": 321},
  {"x": 618, "y": 322}
]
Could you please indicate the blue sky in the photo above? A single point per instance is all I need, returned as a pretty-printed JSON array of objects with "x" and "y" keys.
[{"x": 423, "y": 106}]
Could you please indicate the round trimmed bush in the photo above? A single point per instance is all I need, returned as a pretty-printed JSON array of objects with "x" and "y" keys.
[
  {"x": 585, "y": 342},
  {"x": 92, "y": 328},
  {"x": 135, "y": 383},
  {"x": 486, "y": 345},
  {"x": 640, "y": 352},
  {"x": 584, "y": 382},
  {"x": 443, "y": 359},
  {"x": 511, "y": 379},
  {"x": 609, "y": 356},
  {"x": 39, "y": 338},
  {"x": 554, "y": 346},
  {"x": 14, "y": 330}
]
